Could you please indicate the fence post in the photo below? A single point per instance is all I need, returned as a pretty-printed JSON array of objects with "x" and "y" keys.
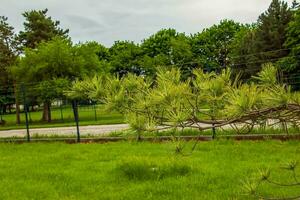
[
  {"x": 1, "y": 119},
  {"x": 213, "y": 132},
  {"x": 61, "y": 111},
  {"x": 95, "y": 110},
  {"x": 75, "y": 111},
  {"x": 213, "y": 129},
  {"x": 26, "y": 112},
  {"x": 29, "y": 114}
]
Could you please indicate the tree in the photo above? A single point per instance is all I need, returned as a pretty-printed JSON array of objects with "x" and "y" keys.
[
  {"x": 262, "y": 42},
  {"x": 242, "y": 56},
  {"x": 271, "y": 32},
  {"x": 291, "y": 64},
  {"x": 8, "y": 55},
  {"x": 212, "y": 46},
  {"x": 39, "y": 27},
  {"x": 168, "y": 102},
  {"x": 159, "y": 43},
  {"x": 167, "y": 47},
  {"x": 124, "y": 58},
  {"x": 53, "y": 65}
]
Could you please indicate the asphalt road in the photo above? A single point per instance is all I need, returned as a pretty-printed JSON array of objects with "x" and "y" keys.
[{"x": 84, "y": 130}]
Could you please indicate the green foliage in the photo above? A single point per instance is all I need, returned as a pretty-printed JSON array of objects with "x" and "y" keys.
[
  {"x": 8, "y": 56},
  {"x": 244, "y": 99},
  {"x": 208, "y": 100},
  {"x": 57, "y": 59},
  {"x": 169, "y": 48},
  {"x": 268, "y": 75},
  {"x": 213, "y": 45},
  {"x": 271, "y": 30},
  {"x": 263, "y": 42},
  {"x": 124, "y": 58},
  {"x": 171, "y": 96},
  {"x": 243, "y": 55},
  {"x": 38, "y": 27},
  {"x": 51, "y": 89},
  {"x": 253, "y": 188},
  {"x": 290, "y": 65},
  {"x": 160, "y": 42},
  {"x": 52, "y": 66}
]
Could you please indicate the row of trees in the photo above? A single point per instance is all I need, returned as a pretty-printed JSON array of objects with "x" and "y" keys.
[{"x": 43, "y": 58}]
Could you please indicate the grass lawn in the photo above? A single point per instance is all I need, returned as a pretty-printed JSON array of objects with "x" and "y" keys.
[
  {"x": 124, "y": 170},
  {"x": 65, "y": 117}
]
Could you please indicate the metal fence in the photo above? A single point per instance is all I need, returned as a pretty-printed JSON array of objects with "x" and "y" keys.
[{"x": 64, "y": 113}]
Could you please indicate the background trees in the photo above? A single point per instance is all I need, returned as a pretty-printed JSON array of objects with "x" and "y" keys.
[
  {"x": 49, "y": 60},
  {"x": 8, "y": 55},
  {"x": 124, "y": 58},
  {"x": 168, "y": 48},
  {"x": 212, "y": 46},
  {"x": 52, "y": 66},
  {"x": 290, "y": 64},
  {"x": 271, "y": 31}
]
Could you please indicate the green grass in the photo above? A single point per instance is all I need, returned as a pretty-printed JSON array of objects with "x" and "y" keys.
[
  {"x": 194, "y": 132},
  {"x": 86, "y": 117},
  {"x": 215, "y": 170}
]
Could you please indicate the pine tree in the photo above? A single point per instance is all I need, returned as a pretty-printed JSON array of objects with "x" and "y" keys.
[
  {"x": 271, "y": 32},
  {"x": 39, "y": 27},
  {"x": 290, "y": 65}
]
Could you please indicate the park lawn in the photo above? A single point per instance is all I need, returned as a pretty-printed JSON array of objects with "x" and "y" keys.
[
  {"x": 64, "y": 117},
  {"x": 124, "y": 170}
]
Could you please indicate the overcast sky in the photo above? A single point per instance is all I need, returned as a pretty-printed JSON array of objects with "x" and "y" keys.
[{"x": 108, "y": 20}]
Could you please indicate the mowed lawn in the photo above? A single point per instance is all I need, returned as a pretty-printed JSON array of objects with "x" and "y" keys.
[
  {"x": 88, "y": 115},
  {"x": 130, "y": 170}
]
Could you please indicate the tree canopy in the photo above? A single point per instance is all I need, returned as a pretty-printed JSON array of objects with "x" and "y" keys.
[
  {"x": 39, "y": 27},
  {"x": 52, "y": 66}
]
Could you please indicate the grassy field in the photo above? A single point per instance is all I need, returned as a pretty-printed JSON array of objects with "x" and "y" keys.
[
  {"x": 64, "y": 117},
  {"x": 215, "y": 170}
]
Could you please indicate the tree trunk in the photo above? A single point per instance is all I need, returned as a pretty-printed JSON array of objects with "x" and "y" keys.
[
  {"x": 47, "y": 112},
  {"x": 4, "y": 109},
  {"x": 18, "y": 119},
  {"x": 9, "y": 108}
]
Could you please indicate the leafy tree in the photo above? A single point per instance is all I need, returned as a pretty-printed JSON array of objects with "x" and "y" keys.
[
  {"x": 212, "y": 46},
  {"x": 39, "y": 27},
  {"x": 124, "y": 58},
  {"x": 8, "y": 55},
  {"x": 53, "y": 65},
  {"x": 159, "y": 43},
  {"x": 169, "y": 48}
]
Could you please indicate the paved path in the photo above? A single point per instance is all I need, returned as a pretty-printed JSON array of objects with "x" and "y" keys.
[{"x": 84, "y": 130}]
